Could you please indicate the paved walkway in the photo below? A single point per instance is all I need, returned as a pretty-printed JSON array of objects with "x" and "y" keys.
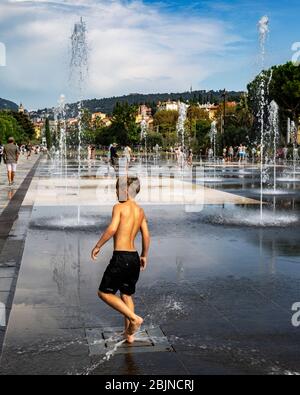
[
  {"x": 222, "y": 296},
  {"x": 13, "y": 229}
]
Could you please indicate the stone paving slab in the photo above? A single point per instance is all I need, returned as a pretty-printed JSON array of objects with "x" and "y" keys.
[
  {"x": 14, "y": 221},
  {"x": 221, "y": 297},
  {"x": 103, "y": 340}
]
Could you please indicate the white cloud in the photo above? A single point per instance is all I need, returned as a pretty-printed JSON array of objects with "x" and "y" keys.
[{"x": 133, "y": 48}]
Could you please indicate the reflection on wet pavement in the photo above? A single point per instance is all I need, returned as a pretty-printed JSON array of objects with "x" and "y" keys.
[{"x": 219, "y": 285}]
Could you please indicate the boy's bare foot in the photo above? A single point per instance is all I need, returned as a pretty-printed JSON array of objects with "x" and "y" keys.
[
  {"x": 134, "y": 326},
  {"x": 129, "y": 339}
]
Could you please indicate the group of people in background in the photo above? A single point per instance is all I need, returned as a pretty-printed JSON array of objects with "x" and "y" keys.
[
  {"x": 242, "y": 153},
  {"x": 185, "y": 156}
]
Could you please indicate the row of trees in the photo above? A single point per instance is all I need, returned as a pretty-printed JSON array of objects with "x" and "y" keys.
[
  {"x": 17, "y": 125},
  {"x": 240, "y": 122}
]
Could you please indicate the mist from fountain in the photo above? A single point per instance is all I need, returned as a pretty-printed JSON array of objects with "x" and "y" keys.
[
  {"x": 180, "y": 128},
  {"x": 274, "y": 134},
  {"x": 144, "y": 135},
  {"x": 78, "y": 78},
  {"x": 213, "y": 139},
  {"x": 61, "y": 119},
  {"x": 263, "y": 28}
]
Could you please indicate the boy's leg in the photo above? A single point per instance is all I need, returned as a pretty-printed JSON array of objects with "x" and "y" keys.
[
  {"x": 117, "y": 303},
  {"x": 9, "y": 176},
  {"x": 128, "y": 300}
]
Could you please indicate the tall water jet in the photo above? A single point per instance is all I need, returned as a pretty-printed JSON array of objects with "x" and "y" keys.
[
  {"x": 79, "y": 71},
  {"x": 144, "y": 135},
  {"x": 78, "y": 78},
  {"x": 213, "y": 138},
  {"x": 294, "y": 138},
  {"x": 288, "y": 137},
  {"x": 61, "y": 119},
  {"x": 274, "y": 133},
  {"x": 263, "y": 27},
  {"x": 182, "y": 108}
]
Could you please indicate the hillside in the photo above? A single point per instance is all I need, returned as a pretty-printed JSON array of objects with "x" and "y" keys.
[
  {"x": 106, "y": 105},
  {"x": 8, "y": 105}
]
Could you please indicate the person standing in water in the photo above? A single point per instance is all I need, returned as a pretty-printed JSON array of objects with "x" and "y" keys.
[
  {"x": 11, "y": 156},
  {"x": 122, "y": 274},
  {"x": 128, "y": 153}
]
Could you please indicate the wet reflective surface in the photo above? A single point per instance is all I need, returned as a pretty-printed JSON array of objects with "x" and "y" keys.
[{"x": 219, "y": 284}]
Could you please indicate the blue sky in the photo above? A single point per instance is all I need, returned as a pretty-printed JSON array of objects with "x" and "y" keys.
[{"x": 139, "y": 46}]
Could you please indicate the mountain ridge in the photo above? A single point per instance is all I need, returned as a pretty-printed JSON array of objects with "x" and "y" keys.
[
  {"x": 8, "y": 105},
  {"x": 106, "y": 105}
]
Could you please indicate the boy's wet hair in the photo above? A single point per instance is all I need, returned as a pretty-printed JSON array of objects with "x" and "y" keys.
[{"x": 128, "y": 187}]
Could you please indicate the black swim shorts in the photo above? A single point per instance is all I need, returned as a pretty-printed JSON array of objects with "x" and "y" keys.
[{"x": 121, "y": 274}]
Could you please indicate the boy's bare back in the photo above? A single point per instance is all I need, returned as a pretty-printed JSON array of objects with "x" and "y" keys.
[{"x": 130, "y": 218}]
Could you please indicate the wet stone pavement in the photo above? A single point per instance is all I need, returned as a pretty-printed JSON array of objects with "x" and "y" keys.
[
  {"x": 216, "y": 298},
  {"x": 14, "y": 220}
]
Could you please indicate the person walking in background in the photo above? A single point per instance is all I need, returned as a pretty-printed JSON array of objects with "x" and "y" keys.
[
  {"x": 190, "y": 157},
  {"x": 11, "y": 156},
  {"x": 128, "y": 153},
  {"x": 230, "y": 153},
  {"x": 1, "y": 152},
  {"x": 114, "y": 155},
  {"x": 28, "y": 150},
  {"x": 89, "y": 150},
  {"x": 285, "y": 153},
  {"x": 93, "y": 152},
  {"x": 225, "y": 154}
]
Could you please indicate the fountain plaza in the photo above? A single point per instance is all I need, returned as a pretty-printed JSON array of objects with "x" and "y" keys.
[{"x": 217, "y": 296}]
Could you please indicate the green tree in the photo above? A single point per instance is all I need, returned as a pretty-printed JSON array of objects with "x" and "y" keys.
[
  {"x": 165, "y": 123},
  {"x": 203, "y": 127},
  {"x": 195, "y": 114},
  {"x": 285, "y": 89},
  {"x": 25, "y": 124},
  {"x": 124, "y": 129},
  {"x": 153, "y": 139},
  {"x": 9, "y": 127}
]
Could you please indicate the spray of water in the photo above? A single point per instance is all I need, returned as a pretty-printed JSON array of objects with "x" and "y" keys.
[
  {"x": 78, "y": 78},
  {"x": 263, "y": 28},
  {"x": 144, "y": 135},
  {"x": 181, "y": 126},
  {"x": 274, "y": 132},
  {"x": 213, "y": 137},
  {"x": 295, "y": 150}
]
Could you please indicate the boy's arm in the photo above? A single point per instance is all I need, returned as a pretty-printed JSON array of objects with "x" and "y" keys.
[
  {"x": 110, "y": 231},
  {"x": 145, "y": 243}
]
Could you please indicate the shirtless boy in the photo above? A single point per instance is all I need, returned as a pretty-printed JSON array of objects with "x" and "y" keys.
[{"x": 122, "y": 274}]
